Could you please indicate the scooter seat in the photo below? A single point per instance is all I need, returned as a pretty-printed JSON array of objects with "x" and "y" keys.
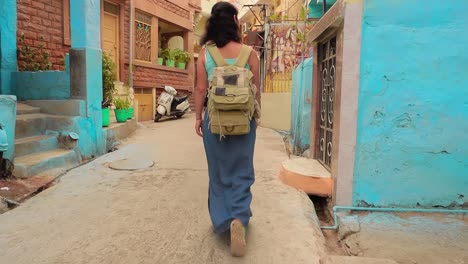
[{"x": 180, "y": 99}]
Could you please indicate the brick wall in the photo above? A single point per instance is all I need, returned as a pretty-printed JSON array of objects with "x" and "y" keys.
[
  {"x": 149, "y": 77},
  {"x": 176, "y": 9},
  {"x": 145, "y": 77},
  {"x": 41, "y": 21}
]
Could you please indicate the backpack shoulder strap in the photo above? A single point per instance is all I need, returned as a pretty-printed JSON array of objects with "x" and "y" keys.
[
  {"x": 243, "y": 56},
  {"x": 216, "y": 55}
]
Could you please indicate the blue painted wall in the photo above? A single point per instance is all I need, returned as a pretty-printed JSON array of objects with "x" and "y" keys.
[
  {"x": 413, "y": 104},
  {"x": 7, "y": 44},
  {"x": 45, "y": 85},
  {"x": 84, "y": 22},
  {"x": 8, "y": 120},
  {"x": 316, "y": 8},
  {"x": 85, "y": 35},
  {"x": 301, "y": 96}
]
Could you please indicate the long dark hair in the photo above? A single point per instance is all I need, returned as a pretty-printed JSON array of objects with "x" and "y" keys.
[{"x": 221, "y": 27}]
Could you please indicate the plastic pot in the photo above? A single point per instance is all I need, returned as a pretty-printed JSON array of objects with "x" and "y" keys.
[
  {"x": 181, "y": 65},
  {"x": 170, "y": 63},
  {"x": 130, "y": 113},
  {"x": 121, "y": 115},
  {"x": 105, "y": 117}
]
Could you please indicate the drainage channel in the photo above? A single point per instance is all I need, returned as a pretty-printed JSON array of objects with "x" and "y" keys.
[{"x": 324, "y": 213}]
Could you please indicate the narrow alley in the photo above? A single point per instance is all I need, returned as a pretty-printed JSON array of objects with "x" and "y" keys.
[
  {"x": 159, "y": 215},
  {"x": 361, "y": 107}
]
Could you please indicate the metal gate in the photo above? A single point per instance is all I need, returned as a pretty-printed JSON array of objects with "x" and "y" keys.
[{"x": 327, "y": 59}]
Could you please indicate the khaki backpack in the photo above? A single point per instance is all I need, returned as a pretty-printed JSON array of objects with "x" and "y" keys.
[{"x": 231, "y": 95}]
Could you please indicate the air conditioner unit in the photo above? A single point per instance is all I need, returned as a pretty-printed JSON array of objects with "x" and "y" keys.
[{"x": 246, "y": 27}]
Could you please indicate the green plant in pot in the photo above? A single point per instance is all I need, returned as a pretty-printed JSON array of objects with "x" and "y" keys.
[
  {"x": 182, "y": 59},
  {"x": 129, "y": 108},
  {"x": 121, "y": 113},
  {"x": 109, "y": 75},
  {"x": 170, "y": 56},
  {"x": 160, "y": 57}
]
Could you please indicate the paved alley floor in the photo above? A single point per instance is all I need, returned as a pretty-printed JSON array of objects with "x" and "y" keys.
[{"x": 159, "y": 215}]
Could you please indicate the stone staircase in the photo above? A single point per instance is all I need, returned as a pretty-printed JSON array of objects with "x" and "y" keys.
[{"x": 38, "y": 146}]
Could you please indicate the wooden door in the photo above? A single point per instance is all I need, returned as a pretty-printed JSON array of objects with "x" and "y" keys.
[
  {"x": 110, "y": 37},
  {"x": 145, "y": 104}
]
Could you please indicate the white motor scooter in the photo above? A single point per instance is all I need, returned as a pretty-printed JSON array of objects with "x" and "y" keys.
[{"x": 170, "y": 105}]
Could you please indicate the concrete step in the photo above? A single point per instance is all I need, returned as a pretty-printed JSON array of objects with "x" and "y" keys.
[
  {"x": 35, "y": 144},
  {"x": 32, "y": 164},
  {"x": 355, "y": 260},
  {"x": 22, "y": 109},
  {"x": 60, "y": 107},
  {"x": 36, "y": 124},
  {"x": 116, "y": 132},
  {"x": 307, "y": 175}
]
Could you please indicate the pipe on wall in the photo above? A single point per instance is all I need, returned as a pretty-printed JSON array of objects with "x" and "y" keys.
[
  {"x": 387, "y": 210},
  {"x": 130, "y": 62}
]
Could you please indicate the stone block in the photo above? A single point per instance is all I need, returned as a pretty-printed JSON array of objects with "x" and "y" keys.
[{"x": 60, "y": 107}]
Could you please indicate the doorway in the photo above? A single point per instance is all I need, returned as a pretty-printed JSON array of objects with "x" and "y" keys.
[
  {"x": 145, "y": 103},
  {"x": 110, "y": 33}
]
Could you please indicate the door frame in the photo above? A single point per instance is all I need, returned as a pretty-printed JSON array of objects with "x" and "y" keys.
[
  {"x": 121, "y": 32},
  {"x": 329, "y": 26},
  {"x": 344, "y": 19}
]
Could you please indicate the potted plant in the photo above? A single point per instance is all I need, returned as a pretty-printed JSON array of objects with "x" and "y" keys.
[
  {"x": 129, "y": 108},
  {"x": 183, "y": 58},
  {"x": 120, "y": 110},
  {"x": 109, "y": 75},
  {"x": 169, "y": 56},
  {"x": 160, "y": 57},
  {"x": 36, "y": 78}
]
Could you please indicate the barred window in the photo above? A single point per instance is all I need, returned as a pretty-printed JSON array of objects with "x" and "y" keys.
[{"x": 143, "y": 36}]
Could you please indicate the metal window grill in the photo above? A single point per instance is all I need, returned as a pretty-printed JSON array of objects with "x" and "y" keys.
[
  {"x": 327, "y": 59},
  {"x": 143, "y": 36}
]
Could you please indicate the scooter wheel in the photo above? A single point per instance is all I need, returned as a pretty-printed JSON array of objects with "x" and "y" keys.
[{"x": 157, "y": 117}]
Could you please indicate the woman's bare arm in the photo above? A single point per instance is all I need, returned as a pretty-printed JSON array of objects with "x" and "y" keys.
[
  {"x": 202, "y": 84},
  {"x": 254, "y": 63}
]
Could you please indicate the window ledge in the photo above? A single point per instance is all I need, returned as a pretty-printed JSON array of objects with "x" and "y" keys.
[{"x": 159, "y": 67}]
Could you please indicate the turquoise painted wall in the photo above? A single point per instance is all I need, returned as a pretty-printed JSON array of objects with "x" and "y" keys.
[
  {"x": 50, "y": 85},
  {"x": 85, "y": 18},
  {"x": 45, "y": 85},
  {"x": 7, "y": 44},
  {"x": 8, "y": 120},
  {"x": 316, "y": 8},
  {"x": 85, "y": 35},
  {"x": 413, "y": 104},
  {"x": 301, "y": 96}
]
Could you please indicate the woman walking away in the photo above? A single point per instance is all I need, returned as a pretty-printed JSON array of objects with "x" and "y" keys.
[{"x": 228, "y": 79}]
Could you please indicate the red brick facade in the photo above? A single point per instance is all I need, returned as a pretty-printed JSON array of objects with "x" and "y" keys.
[
  {"x": 41, "y": 22},
  {"x": 149, "y": 77},
  {"x": 155, "y": 76},
  {"x": 173, "y": 8}
]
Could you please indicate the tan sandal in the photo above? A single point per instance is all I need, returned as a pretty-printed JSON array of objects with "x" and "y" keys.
[{"x": 238, "y": 244}]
